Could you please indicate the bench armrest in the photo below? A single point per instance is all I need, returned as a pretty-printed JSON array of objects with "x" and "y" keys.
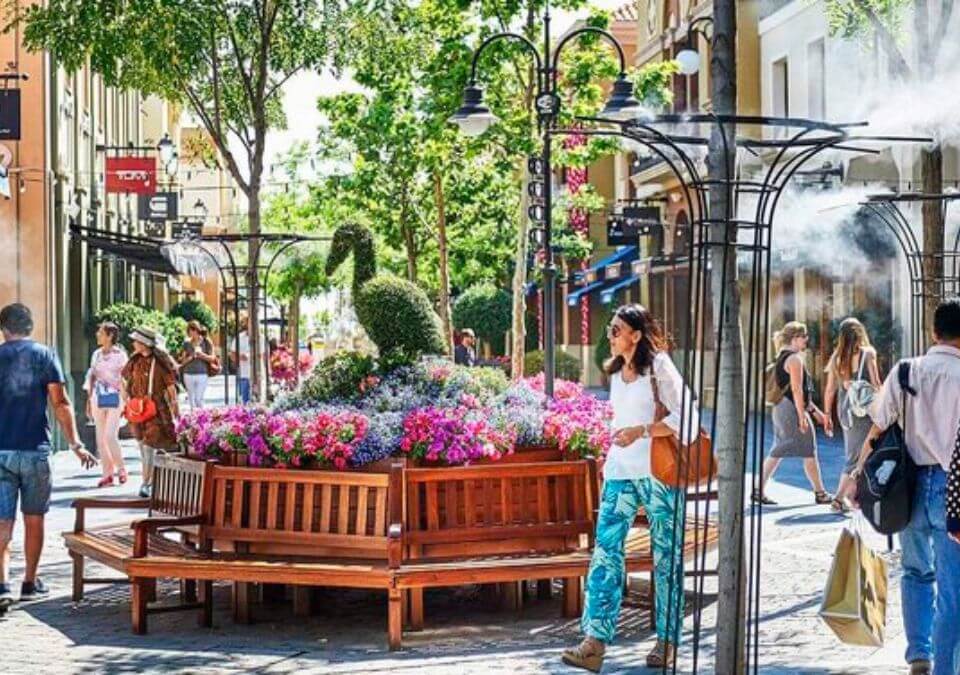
[
  {"x": 143, "y": 527},
  {"x": 395, "y": 545},
  {"x": 83, "y": 503}
]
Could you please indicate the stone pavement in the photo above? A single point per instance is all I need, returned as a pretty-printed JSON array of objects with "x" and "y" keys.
[{"x": 348, "y": 632}]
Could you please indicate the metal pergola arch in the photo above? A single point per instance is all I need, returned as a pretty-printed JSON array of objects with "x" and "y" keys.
[{"x": 806, "y": 139}]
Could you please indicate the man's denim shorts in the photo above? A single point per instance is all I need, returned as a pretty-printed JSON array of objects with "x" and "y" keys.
[{"x": 24, "y": 474}]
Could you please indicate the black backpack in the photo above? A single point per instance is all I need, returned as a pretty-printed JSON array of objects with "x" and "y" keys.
[{"x": 885, "y": 489}]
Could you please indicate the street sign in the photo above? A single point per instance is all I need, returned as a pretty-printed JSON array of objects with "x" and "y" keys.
[
  {"x": 186, "y": 230},
  {"x": 156, "y": 230},
  {"x": 137, "y": 175},
  {"x": 633, "y": 222},
  {"x": 158, "y": 207},
  {"x": 10, "y": 114}
]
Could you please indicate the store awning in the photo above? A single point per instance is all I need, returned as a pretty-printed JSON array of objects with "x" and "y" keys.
[
  {"x": 143, "y": 252},
  {"x": 574, "y": 298},
  {"x": 598, "y": 269},
  {"x": 608, "y": 294}
]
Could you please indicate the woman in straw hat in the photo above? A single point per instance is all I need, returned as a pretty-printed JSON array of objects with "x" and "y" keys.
[{"x": 152, "y": 373}]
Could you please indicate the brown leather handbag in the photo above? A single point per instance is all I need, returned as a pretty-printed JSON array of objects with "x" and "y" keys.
[{"x": 676, "y": 466}]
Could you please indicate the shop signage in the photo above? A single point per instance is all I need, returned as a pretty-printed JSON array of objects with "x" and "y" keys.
[
  {"x": 10, "y": 114},
  {"x": 158, "y": 207},
  {"x": 137, "y": 175},
  {"x": 632, "y": 222}
]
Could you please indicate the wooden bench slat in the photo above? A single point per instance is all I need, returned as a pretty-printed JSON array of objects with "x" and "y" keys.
[
  {"x": 343, "y": 509},
  {"x": 238, "y": 503},
  {"x": 493, "y": 471},
  {"x": 220, "y": 508},
  {"x": 308, "y": 491},
  {"x": 273, "y": 495},
  {"x": 326, "y": 499},
  {"x": 469, "y": 504},
  {"x": 433, "y": 509},
  {"x": 254, "y": 520},
  {"x": 290, "y": 504},
  {"x": 363, "y": 493}
]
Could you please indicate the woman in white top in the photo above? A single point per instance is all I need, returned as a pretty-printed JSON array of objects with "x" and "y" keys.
[
  {"x": 639, "y": 356},
  {"x": 103, "y": 401}
]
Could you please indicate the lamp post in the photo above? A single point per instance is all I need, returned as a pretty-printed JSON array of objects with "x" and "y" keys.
[
  {"x": 689, "y": 58},
  {"x": 474, "y": 118}
]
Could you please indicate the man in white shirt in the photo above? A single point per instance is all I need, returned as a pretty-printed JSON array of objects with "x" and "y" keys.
[{"x": 930, "y": 585}]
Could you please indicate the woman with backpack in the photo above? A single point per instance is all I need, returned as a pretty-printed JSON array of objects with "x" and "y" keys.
[
  {"x": 197, "y": 363},
  {"x": 853, "y": 379},
  {"x": 790, "y": 389}
]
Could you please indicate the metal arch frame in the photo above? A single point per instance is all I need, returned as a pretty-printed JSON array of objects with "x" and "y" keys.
[
  {"x": 886, "y": 208},
  {"x": 811, "y": 139}
]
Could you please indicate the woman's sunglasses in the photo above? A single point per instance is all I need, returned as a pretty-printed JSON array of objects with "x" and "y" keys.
[{"x": 613, "y": 331}]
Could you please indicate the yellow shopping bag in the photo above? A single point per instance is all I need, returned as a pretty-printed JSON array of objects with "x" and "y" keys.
[{"x": 855, "y": 599}]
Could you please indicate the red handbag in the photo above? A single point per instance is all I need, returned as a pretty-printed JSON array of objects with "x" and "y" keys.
[{"x": 140, "y": 409}]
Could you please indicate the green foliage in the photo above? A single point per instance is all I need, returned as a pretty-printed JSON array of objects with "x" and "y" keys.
[
  {"x": 602, "y": 350},
  {"x": 299, "y": 272},
  {"x": 856, "y": 19},
  {"x": 128, "y": 316},
  {"x": 482, "y": 382},
  {"x": 567, "y": 366},
  {"x": 357, "y": 239},
  {"x": 397, "y": 315},
  {"x": 195, "y": 310},
  {"x": 486, "y": 309},
  {"x": 336, "y": 377}
]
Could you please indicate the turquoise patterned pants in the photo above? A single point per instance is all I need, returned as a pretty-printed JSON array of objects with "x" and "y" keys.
[{"x": 606, "y": 578}]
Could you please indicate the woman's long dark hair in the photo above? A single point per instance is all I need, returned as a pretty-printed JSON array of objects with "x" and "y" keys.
[{"x": 652, "y": 339}]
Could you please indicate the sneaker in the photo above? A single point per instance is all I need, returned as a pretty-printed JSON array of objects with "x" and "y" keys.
[
  {"x": 6, "y": 597},
  {"x": 145, "y": 491},
  {"x": 33, "y": 590}
]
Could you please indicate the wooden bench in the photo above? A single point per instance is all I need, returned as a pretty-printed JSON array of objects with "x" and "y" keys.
[
  {"x": 490, "y": 524},
  {"x": 305, "y": 528},
  {"x": 176, "y": 502}
]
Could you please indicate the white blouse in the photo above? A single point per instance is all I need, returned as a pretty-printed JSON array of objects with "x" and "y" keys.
[{"x": 633, "y": 404}]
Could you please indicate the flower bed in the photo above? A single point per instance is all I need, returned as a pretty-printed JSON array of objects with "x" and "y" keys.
[{"x": 353, "y": 412}]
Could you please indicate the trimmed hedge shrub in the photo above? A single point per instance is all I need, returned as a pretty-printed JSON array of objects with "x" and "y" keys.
[
  {"x": 128, "y": 316},
  {"x": 195, "y": 310},
  {"x": 568, "y": 366},
  {"x": 397, "y": 315},
  {"x": 486, "y": 309}
]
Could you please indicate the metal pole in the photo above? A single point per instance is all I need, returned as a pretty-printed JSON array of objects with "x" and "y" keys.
[{"x": 549, "y": 268}]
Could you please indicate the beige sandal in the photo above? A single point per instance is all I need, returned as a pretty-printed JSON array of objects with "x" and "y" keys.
[
  {"x": 662, "y": 654},
  {"x": 588, "y": 655}
]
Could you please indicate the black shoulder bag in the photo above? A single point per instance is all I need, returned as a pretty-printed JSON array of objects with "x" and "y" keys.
[{"x": 886, "y": 486}]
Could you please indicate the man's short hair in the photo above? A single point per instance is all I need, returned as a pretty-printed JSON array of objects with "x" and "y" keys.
[
  {"x": 467, "y": 332},
  {"x": 16, "y": 319},
  {"x": 946, "y": 319}
]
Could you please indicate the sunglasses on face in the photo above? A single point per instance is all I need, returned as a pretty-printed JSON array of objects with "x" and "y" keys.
[{"x": 613, "y": 331}]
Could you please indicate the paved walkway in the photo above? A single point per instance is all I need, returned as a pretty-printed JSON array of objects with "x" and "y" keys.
[{"x": 347, "y": 633}]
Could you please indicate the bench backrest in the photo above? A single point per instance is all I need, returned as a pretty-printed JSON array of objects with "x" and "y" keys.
[
  {"x": 178, "y": 485},
  {"x": 314, "y": 513},
  {"x": 490, "y": 510}
]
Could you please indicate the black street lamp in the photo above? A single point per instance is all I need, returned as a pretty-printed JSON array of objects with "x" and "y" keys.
[{"x": 474, "y": 118}]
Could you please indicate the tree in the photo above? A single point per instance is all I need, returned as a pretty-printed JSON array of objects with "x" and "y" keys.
[
  {"x": 486, "y": 310},
  {"x": 300, "y": 272},
  {"x": 730, "y": 404},
  {"x": 879, "y": 22},
  {"x": 225, "y": 60}
]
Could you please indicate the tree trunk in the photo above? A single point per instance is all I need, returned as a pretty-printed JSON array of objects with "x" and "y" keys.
[
  {"x": 931, "y": 176},
  {"x": 729, "y": 397},
  {"x": 518, "y": 323},
  {"x": 253, "y": 291},
  {"x": 411, "y": 248},
  {"x": 440, "y": 203}
]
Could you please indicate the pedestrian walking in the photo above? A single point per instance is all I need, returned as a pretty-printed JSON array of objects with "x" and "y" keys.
[
  {"x": 641, "y": 372},
  {"x": 103, "y": 383},
  {"x": 197, "y": 363},
  {"x": 242, "y": 358},
  {"x": 793, "y": 413},
  {"x": 30, "y": 377},
  {"x": 853, "y": 378},
  {"x": 930, "y": 583},
  {"x": 150, "y": 395},
  {"x": 464, "y": 354}
]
